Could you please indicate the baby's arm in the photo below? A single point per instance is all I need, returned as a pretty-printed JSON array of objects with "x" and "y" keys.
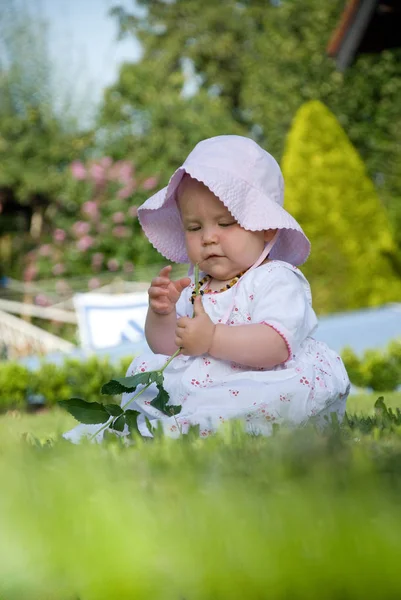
[
  {"x": 161, "y": 318},
  {"x": 252, "y": 345},
  {"x": 159, "y": 332},
  {"x": 256, "y": 345}
]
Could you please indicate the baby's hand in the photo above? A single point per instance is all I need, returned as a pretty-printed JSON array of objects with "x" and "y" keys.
[
  {"x": 164, "y": 293},
  {"x": 194, "y": 336}
]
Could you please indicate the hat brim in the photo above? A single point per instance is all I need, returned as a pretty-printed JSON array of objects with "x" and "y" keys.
[{"x": 161, "y": 221}]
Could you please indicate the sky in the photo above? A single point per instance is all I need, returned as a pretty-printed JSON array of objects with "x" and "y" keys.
[{"x": 84, "y": 47}]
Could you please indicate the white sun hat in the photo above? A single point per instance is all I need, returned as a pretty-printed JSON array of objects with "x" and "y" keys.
[{"x": 248, "y": 181}]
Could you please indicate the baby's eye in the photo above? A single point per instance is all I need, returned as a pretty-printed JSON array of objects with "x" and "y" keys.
[
  {"x": 227, "y": 224},
  {"x": 193, "y": 228}
]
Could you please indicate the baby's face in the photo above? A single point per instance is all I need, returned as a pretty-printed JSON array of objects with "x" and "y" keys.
[{"x": 214, "y": 239}]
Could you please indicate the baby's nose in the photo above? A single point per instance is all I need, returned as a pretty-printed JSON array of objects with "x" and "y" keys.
[{"x": 209, "y": 236}]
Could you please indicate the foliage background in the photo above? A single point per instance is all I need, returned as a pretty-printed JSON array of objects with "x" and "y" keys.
[
  {"x": 205, "y": 69},
  {"x": 354, "y": 259},
  {"x": 255, "y": 64}
]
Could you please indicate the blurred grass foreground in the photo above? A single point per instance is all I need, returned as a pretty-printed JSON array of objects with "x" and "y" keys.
[{"x": 303, "y": 514}]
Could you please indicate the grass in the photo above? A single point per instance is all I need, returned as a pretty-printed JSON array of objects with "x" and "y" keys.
[
  {"x": 46, "y": 424},
  {"x": 363, "y": 403},
  {"x": 302, "y": 514}
]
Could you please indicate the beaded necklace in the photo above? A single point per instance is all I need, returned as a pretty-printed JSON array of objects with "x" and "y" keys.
[{"x": 223, "y": 289}]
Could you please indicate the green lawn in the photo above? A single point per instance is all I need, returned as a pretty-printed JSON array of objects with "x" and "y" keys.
[
  {"x": 301, "y": 514},
  {"x": 363, "y": 403},
  {"x": 43, "y": 424}
]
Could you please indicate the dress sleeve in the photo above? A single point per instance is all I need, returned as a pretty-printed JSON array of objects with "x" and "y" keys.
[{"x": 282, "y": 301}]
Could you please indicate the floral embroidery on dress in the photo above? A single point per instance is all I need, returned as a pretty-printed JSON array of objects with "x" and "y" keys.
[
  {"x": 202, "y": 384},
  {"x": 237, "y": 367},
  {"x": 205, "y": 432},
  {"x": 261, "y": 413},
  {"x": 321, "y": 382},
  {"x": 269, "y": 417}
]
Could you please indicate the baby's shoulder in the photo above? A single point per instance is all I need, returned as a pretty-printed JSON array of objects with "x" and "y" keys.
[
  {"x": 276, "y": 269},
  {"x": 275, "y": 273}
]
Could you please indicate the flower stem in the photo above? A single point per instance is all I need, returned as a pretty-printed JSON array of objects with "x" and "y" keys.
[
  {"x": 170, "y": 359},
  {"x": 197, "y": 287},
  {"x": 92, "y": 437}
]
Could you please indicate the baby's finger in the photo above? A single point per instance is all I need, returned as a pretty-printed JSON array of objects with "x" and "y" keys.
[
  {"x": 180, "y": 344},
  {"x": 160, "y": 281},
  {"x": 165, "y": 271},
  {"x": 181, "y": 284},
  {"x": 182, "y": 322},
  {"x": 157, "y": 292}
]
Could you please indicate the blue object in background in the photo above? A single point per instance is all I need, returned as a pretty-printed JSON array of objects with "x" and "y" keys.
[
  {"x": 115, "y": 354},
  {"x": 361, "y": 330}
]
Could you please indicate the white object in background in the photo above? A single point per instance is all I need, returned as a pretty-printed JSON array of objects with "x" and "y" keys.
[
  {"x": 107, "y": 320},
  {"x": 22, "y": 338}
]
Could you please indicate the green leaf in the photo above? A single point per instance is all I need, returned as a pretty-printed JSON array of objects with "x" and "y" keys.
[
  {"x": 89, "y": 413},
  {"x": 131, "y": 420},
  {"x": 114, "y": 410},
  {"x": 161, "y": 400},
  {"x": 173, "y": 409},
  {"x": 118, "y": 424},
  {"x": 125, "y": 384},
  {"x": 157, "y": 377}
]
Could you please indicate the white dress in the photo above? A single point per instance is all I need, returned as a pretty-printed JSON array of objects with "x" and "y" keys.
[{"x": 312, "y": 382}]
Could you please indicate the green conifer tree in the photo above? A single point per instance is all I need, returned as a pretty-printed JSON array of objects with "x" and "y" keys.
[{"x": 353, "y": 257}]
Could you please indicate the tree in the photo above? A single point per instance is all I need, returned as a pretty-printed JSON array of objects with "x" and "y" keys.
[
  {"x": 253, "y": 65},
  {"x": 330, "y": 194},
  {"x": 36, "y": 143},
  {"x": 146, "y": 118}
]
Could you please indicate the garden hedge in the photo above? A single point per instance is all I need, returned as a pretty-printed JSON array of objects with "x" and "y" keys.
[{"x": 379, "y": 371}]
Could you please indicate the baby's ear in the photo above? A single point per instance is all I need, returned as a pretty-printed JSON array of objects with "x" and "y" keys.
[{"x": 269, "y": 234}]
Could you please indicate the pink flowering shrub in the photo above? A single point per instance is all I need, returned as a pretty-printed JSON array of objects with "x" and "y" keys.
[{"x": 95, "y": 227}]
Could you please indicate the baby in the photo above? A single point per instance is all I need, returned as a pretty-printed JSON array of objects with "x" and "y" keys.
[{"x": 247, "y": 350}]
